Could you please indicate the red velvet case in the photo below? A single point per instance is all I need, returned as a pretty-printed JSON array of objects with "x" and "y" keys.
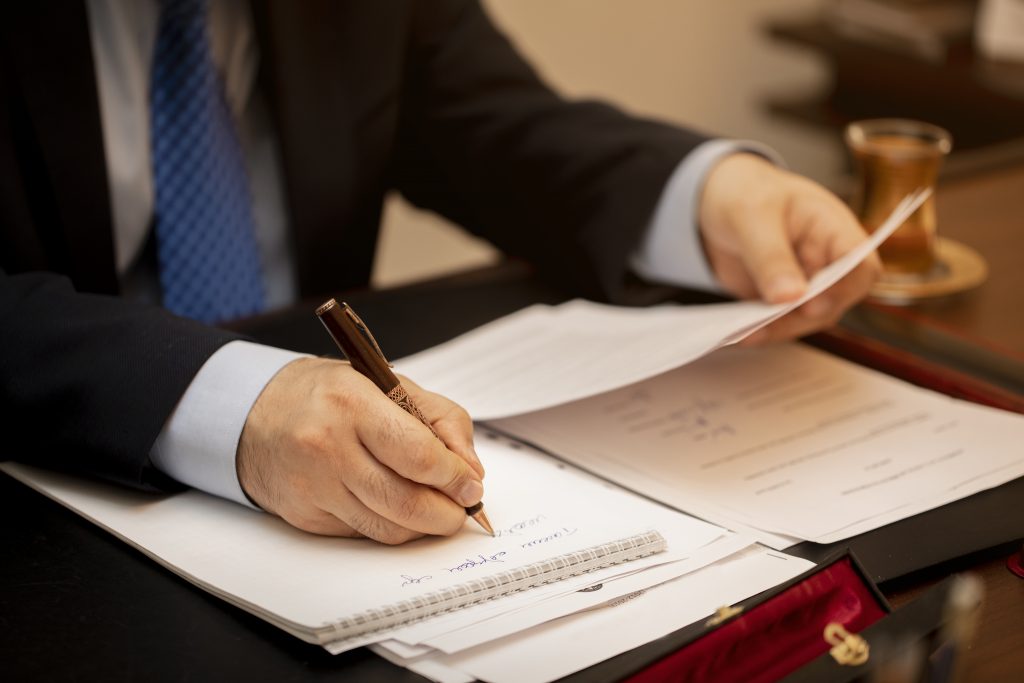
[{"x": 776, "y": 632}]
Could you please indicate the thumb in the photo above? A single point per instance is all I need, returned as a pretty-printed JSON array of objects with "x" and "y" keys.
[{"x": 766, "y": 252}]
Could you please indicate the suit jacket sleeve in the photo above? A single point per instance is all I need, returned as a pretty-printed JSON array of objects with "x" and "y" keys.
[
  {"x": 88, "y": 380},
  {"x": 569, "y": 186}
]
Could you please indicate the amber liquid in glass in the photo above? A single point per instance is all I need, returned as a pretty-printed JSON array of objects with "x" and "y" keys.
[{"x": 891, "y": 167}]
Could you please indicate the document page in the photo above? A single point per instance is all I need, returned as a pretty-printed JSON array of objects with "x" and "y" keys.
[{"x": 786, "y": 439}]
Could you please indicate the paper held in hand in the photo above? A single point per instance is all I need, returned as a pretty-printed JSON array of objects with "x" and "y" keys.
[{"x": 544, "y": 356}]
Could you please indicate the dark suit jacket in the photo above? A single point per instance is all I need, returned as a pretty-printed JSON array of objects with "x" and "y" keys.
[{"x": 423, "y": 96}]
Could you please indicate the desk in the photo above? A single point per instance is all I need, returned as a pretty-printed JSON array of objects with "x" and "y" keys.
[
  {"x": 76, "y": 603},
  {"x": 980, "y": 332},
  {"x": 997, "y": 653}
]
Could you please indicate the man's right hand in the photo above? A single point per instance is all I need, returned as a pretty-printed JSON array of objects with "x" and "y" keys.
[{"x": 328, "y": 452}]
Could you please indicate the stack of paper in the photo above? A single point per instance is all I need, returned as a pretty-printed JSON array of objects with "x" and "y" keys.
[
  {"x": 596, "y": 624},
  {"x": 558, "y": 530}
]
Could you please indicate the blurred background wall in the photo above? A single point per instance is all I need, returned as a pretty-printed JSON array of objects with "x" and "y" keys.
[
  {"x": 695, "y": 62},
  {"x": 788, "y": 73}
]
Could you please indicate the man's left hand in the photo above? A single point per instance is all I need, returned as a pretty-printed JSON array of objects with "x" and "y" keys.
[{"x": 766, "y": 230}]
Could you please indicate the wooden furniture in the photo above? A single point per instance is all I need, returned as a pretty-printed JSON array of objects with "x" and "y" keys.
[
  {"x": 980, "y": 102},
  {"x": 997, "y": 651},
  {"x": 979, "y": 333}
]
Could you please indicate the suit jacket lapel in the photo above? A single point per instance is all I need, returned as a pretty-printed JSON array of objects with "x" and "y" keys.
[
  {"x": 308, "y": 81},
  {"x": 53, "y": 58}
]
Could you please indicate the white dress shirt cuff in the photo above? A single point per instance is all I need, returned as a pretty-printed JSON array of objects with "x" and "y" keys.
[
  {"x": 672, "y": 252},
  {"x": 198, "y": 443}
]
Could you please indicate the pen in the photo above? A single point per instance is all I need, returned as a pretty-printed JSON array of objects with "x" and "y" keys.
[{"x": 355, "y": 341}]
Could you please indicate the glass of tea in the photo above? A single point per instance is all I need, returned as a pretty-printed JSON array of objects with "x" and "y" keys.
[{"x": 894, "y": 157}]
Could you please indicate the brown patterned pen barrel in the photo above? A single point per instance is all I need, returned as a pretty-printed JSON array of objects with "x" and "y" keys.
[
  {"x": 355, "y": 342},
  {"x": 363, "y": 352}
]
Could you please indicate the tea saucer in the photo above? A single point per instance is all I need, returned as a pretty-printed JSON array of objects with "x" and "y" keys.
[{"x": 957, "y": 268}]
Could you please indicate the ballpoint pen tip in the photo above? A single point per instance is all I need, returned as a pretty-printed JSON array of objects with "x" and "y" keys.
[{"x": 481, "y": 519}]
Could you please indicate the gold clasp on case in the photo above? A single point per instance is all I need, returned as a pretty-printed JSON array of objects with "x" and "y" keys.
[
  {"x": 722, "y": 613},
  {"x": 848, "y": 649}
]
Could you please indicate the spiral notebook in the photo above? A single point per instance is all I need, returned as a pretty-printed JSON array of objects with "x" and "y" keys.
[{"x": 554, "y": 526}]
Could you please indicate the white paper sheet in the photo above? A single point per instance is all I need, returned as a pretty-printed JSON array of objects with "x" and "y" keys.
[
  {"x": 786, "y": 438},
  {"x": 544, "y": 356},
  {"x": 565, "y": 645},
  {"x": 592, "y": 596},
  {"x": 426, "y": 667}
]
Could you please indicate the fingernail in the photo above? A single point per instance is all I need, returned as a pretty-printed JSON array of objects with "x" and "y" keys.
[
  {"x": 471, "y": 493},
  {"x": 784, "y": 288}
]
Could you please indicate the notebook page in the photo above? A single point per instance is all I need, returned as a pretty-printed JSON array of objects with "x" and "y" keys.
[{"x": 541, "y": 509}]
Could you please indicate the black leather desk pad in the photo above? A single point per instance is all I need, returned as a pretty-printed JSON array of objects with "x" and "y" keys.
[{"x": 78, "y": 604}]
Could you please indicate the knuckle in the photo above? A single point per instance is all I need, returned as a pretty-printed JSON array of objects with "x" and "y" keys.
[
  {"x": 313, "y": 438},
  {"x": 420, "y": 456},
  {"x": 382, "y": 531},
  {"x": 399, "y": 536},
  {"x": 397, "y": 503},
  {"x": 753, "y": 206},
  {"x": 455, "y": 474},
  {"x": 386, "y": 534},
  {"x": 458, "y": 477},
  {"x": 337, "y": 390},
  {"x": 335, "y": 397},
  {"x": 403, "y": 507},
  {"x": 461, "y": 415},
  {"x": 389, "y": 429},
  {"x": 363, "y": 522},
  {"x": 379, "y": 487},
  {"x": 410, "y": 510}
]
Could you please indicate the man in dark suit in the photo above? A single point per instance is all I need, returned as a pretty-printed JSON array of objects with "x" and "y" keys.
[{"x": 340, "y": 102}]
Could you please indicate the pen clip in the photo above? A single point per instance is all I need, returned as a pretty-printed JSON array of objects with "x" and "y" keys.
[{"x": 365, "y": 331}]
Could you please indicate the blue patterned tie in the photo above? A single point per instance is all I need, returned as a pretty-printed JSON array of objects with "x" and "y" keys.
[{"x": 206, "y": 245}]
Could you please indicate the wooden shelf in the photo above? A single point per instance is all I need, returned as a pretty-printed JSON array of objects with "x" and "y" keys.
[{"x": 980, "y": 103}]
